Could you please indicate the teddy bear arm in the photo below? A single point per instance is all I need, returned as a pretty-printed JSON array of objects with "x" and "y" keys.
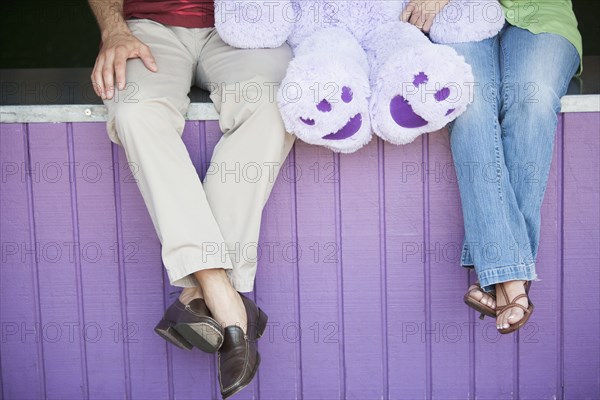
[
  {"x": 463, "y": 21},
  {"x": 252, "y": 24}
]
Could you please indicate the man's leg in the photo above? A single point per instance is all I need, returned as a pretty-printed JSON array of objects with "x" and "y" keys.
[
  {"x": 147, "y": 119},
  {"x": 245, "y": 162}
]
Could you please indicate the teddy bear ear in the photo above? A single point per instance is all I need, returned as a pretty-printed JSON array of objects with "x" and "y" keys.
[{"x": 253, "y": 24}]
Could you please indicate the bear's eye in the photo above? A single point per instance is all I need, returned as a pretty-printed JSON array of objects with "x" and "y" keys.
[
  {"x": 347, "y": 94},
  {"x": 420, "y": 79},
  {"x": 324, "y": 106},
  {"x": 442, "y": 94}
]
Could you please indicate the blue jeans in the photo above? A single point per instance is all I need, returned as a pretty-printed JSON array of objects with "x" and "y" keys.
[{"x": 502, "y": 148}]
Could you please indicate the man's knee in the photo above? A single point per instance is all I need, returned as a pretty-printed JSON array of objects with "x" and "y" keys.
[
  {"x": 127, "y": 117},
  {"x": 143, "y": 118},
  {"x": 129, "y": 112}
]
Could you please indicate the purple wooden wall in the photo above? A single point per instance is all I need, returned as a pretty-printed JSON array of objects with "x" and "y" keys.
[{"x": 358, "y": 273}]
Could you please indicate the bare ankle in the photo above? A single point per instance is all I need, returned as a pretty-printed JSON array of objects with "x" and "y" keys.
[{"x": 190, "y": 293}]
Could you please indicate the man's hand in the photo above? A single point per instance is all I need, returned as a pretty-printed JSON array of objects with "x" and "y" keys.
[
  {"x": 117, "y": 48},
  {"x": 422, "y": 13}
]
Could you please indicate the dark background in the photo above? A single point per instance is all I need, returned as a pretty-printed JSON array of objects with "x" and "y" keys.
[{"x": 63, "y": 33}]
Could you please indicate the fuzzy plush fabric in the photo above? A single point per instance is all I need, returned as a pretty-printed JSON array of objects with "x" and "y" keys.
[
  {"x": 358, "y": 69},
  {"x": 254, "y": 24}
]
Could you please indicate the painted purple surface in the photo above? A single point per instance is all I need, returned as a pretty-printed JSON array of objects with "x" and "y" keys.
[{"x": 358, "y": 273}]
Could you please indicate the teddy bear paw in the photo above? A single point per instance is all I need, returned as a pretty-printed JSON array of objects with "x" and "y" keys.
[
  {"x": 326, "y": 105},
  {"x": 419, "y": 91}
]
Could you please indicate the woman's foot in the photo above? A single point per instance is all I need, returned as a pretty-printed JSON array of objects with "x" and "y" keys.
[
  {"x": 512, "y": 315},
  {"x": 476, "y": 293}
]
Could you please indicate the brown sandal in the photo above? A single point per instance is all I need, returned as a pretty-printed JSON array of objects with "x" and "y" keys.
[
  {"x": 478, "y": 305},
  {"x": 512, "y": 304}
]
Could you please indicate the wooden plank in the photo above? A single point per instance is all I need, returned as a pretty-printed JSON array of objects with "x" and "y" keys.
[
  {"x": 97, "y": 237},
  {"x": 450, "y": 363},
  {"x": 60, "y": 302},
  {"x": 407, "y": 356},
  {"x": 581, "y": 256},
  {"x": 540, "y": 338},
  {"x": 492, "y": 359},
  {"x": 141, "y": 285},
  {"x": 21, "y": 349},
  {"x": 276, "y": 291},
  {"x": 212, "y": 135},
  {"x": 490, "y": 348},
  {"x": 360, "y": 238},
  {"x": 316, "y": 177}
]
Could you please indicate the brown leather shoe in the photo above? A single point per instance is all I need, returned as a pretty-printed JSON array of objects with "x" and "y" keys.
[
  {"x": 238, "y": 357},
  {"x": 191, "y": 325}
]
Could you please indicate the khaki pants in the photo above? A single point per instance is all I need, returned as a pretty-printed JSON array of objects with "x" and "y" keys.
[{"x": 215, "y": 223}]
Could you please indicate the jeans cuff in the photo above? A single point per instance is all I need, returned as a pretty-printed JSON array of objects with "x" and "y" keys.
[
  {"x": 466, "y": 260},
  {"x": 492, "y": 276}
]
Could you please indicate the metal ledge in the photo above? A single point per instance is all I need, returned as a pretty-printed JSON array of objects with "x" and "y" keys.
[{"x": 196, "y": 112}]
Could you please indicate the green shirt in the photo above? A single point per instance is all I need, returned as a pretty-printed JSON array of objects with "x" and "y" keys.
[{"x": 545, "y": 16}]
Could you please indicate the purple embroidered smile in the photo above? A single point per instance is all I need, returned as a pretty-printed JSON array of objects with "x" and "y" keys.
[{"x": 350, "y": 129}]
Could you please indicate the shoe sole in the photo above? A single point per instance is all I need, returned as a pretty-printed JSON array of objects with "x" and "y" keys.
[
  {"x": 479, "y": 307},
  {"x": 165, "y": 330},
  {"x": 202, "y": 335}
]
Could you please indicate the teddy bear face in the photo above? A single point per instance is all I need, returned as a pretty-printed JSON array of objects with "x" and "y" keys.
[
  {"x": 419, "y": 90},
  {"x": 327, "y": 104},
  {"x": 336, "y": 121},
  {"x": 352, "y": 126},
  {"x": 404, "y": 114}
]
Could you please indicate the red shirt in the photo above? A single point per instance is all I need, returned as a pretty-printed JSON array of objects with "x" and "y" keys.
[{"x": 186, "y": 13}]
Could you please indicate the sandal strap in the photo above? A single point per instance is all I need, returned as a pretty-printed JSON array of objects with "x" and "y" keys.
[
  {"x": 501, "y": 309},
  {"x": 503, "y": 290},
  {"x": 513, "y": 303},
  {"x": 519, "y": 297},
  {"x": 479, "y": 289}
]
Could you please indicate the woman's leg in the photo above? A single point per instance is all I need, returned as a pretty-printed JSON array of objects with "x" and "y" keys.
[
  {"x": 494, "y": 226},
  {"x": 536, "y": 71}
]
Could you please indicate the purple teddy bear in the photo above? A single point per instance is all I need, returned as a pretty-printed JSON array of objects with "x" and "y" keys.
[{"x": 358, "y": 69}]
